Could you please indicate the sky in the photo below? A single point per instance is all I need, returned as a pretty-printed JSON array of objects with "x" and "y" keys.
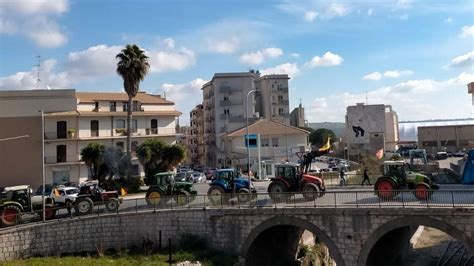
[{"x": 417, "y": 56}]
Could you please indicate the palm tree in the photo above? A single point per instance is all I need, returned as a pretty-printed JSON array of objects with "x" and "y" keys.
[
  {"x": 92, "y": 155},
  {"x": 132, "y": 67}
]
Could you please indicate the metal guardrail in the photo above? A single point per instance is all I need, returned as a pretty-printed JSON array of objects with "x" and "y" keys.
[{"x": 356, "y": 199}]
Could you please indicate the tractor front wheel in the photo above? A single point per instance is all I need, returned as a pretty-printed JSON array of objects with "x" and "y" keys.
[
  {"x": 182, "y": 198},
  {"x": 154, "y": 198},
  {"x": 277, "y": 191},
  {"x": 10, "y": 215},
  {"x": 244, "y": 195},
  {"x": 84, "y": 206},
  {"x": 422, "y": 191},
  {"x": 216, "y": 195},
  {"x": 112, "y": 205},
  {"x": 385, "y": 189},
  {"x": 310, "y": 192}
]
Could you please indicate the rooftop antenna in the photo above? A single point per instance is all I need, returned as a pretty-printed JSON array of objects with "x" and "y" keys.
[
  {"x": 366, "y": 99},
  {"x": 38, "y": 67},
  {"x": 164, "y": 95}
]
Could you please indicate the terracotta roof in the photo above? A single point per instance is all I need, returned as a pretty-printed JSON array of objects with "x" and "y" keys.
[
  {"x": 144, "y": 98},
  {"x": 267, "y": 127},
  {"x": 91, "y": 113}
]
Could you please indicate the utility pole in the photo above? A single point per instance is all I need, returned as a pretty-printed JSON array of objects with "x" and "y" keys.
[{"x": 38, "y": 68}]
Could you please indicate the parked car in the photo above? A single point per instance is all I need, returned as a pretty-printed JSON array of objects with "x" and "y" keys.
[
  {"x": 441, "y": 155},
  {"x": 199, "y": 177},
  {"x": 459, "y": 154},
  {"x": 65, "y": 195},
  {"x": 184, "y": 177}
]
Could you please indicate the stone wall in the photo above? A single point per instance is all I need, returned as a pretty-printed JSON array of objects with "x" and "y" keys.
[{"x": 348, "y": 233}]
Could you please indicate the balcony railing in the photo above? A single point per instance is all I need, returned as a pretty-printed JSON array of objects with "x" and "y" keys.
[
  {"x": 225, "y": 103},
  {"x": 283, "y": 102},
  {"x": 59, "y": 135},
  {"x": 280, "y": 89},
  {"x": 61, "y": 159}
]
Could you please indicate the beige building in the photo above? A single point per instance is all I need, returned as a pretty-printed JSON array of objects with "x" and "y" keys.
[
  {"x": 297, "y": 117},
  {"x": 225, "y": 102},
  {"x": 278, "y": 143},
  {"x": 71, "y": 121},
  {"x": 449, "y": 138},
  {"x": 370, "y": 128},
  {"x": 185, "y": 140}
]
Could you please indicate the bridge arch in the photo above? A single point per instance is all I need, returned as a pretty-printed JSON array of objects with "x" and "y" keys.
[
  {"x": 406, "y": 222},
  {"x": 293, "y": 222}
]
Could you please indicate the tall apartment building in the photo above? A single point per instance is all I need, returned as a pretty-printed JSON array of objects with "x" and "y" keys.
[
  {"x": 370, "y": 128},
  {"x": 185, "y": 140},
  {"x": 225, "y": 102},
  {"x": 297, "y": 117},
  {"x": 72, "y": 120},
  {"x": 197, "y": 135}
]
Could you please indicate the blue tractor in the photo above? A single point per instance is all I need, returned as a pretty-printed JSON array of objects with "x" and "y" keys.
[{"x": 226, "y": 184}]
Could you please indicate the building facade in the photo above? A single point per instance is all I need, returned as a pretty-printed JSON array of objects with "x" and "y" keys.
[
  {"x": 225, "y": 107},
  {"x": 277, "y": 142},
  {"x": 449, "y": 138},
  {"x": 470, "y": 90},
  {"x": 197, "y": 135},
  {"x": 297, "y": 117},
  {"x": 72, "y": 120},
  {"x": 370, "y": 128}
]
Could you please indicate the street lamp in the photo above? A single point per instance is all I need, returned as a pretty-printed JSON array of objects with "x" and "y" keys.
[
  {"x": 247, "y": 133},
  {"x": 42, "y": 165}
]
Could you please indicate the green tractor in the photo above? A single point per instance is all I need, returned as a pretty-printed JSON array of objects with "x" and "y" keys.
[
  {"x": 19, "y": 199},
  {"x": 163, "y": 187},
  {"x": 397, "y": 175}
]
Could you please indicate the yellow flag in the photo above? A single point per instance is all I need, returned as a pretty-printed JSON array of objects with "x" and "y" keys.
[
  {"x": 123, "y": 192},
  {"x": 326, "y": 146}
]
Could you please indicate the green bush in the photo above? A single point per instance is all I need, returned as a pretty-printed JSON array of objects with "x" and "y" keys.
[{"x": 133, "y": 184}]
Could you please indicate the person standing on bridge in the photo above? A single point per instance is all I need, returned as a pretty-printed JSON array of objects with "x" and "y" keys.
[
  {"x": 342, "y": 175},
  {"x": 366, "y": 177}
]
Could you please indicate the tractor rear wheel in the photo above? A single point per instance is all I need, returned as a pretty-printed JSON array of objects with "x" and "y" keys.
[
  {"x": 112, "y": 205},
  {"x": 278, "y": 191},
  {"x": 154, "y": 198},
  {"x": 84, "y": 205},
  {"x": 385, "y": 189},
  {"x": 422, "y": 191},
  {"x": 11, "y": 215},
  {"x": 182, "y": 198},
  {"x": 216, "y": 195},
  {"x": 310, "y": 192}
]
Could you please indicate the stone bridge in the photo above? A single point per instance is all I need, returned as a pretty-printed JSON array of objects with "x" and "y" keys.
[{"x": 260, "y": 236}]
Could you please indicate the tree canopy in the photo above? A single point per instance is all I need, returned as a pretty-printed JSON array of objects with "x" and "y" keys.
[
  {"x": 320, "y": 136},
  {"x": 156, "y": 156}
]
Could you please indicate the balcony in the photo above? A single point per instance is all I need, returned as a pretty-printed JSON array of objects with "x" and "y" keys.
[
  {"x": 61, "y": 159},
  {"x": 225, "y": 89},
  {"x": 283, "y": 102},
  {"x": 59, "y": 135},
  {"x": 225, "y": 103},
  {"x": 280, "y": 89}
]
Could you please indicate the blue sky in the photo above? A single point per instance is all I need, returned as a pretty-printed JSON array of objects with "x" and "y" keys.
[{"x": 417, "y": 56}]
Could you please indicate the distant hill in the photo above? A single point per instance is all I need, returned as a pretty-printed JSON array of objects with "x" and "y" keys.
[{"x": 337, "y": 127}]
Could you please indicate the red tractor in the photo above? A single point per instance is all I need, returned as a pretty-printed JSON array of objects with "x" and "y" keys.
[{"x": 289, "y": 179}]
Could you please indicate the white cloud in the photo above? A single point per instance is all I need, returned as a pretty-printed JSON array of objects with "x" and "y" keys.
[
  {"x": 224, "y": 47},
  {"x": 370, "y": 12},
  {"x": 258, "y": 57},
  {"x": 34, "y": 20},
  {"x": 397, "y": 73},
  {"x": 448, "y": 20},
  {"x": 463, "y": 60},
  {"x": 387, "y": 74},
  {"x": 186, "y": 96},
  {"x": 337, "y": 10},
  {"x": 310, "y": 16},
  {"x": 295, "y": 55},
  {"x": 412, "y": 100},
  {"x": 94, "y": 62},
  {"x": 162, "y": 61},
  {"x": 169, "y": 43},
  {"x": 288, "y": 68},
  {"x": 328, "y": 59},
  {"x": 373, "y": 76},
  {"x": 467, "y": 31}
]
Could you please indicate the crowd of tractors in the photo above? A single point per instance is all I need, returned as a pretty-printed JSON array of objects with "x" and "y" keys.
[{"x": 227, "y": 186}]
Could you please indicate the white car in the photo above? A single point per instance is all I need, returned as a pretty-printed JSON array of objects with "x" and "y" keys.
[{"x": 65, "y": 195}]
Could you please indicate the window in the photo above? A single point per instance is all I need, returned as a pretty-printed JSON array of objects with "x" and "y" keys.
[
  {"x": 226, "y": 98},
  {"x": 96, "y": 106},
  {"x": 125, "y": 106},
  {"x": 154, "y": 126},
  {"x": 113, "y": 106},
  {"x": 134, "y": 125},
  {"x": 281, "y": 111},
  {"x": 120, "y": 124},
  {"x": 264, "y": 142},
  {"x": 134, "y": 145},
  {"x": 94, "y": 128},
  {"x": 61, "y": 129},
  {"x": 120, "y": 145},
  {"x": 61, "y": 153},
  {"x": 274, "y": 142},
  {"x": 135, "y": 170},
  {"x": 226, "y": 111}
]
